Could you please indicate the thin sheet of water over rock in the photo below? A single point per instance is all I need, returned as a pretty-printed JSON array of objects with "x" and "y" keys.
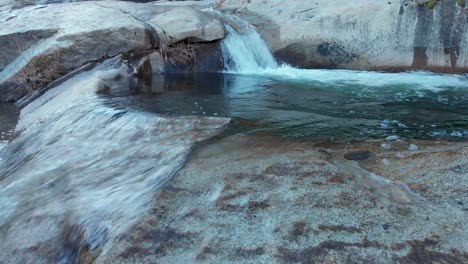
[{"x": 79, "y": 173}]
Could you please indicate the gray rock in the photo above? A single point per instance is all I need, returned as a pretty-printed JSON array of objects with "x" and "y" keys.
[
  {"x": 364, "y": 34},
  {"x": 109, "y": 28},
  {"x": 249, "y": 199}
]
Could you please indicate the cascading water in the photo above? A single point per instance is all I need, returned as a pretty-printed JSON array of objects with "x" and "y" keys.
[
  {"x": 247, "y": 53},
  {"x": 322, "y": 102}
]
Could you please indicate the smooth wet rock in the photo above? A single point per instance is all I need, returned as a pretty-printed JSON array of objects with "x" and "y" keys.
[
  {"x": 386, "y": 146},
  {"x": 392, "y": 138},
  {"x": 109, "y": 28},
  {"x": 186, "y": 23}
]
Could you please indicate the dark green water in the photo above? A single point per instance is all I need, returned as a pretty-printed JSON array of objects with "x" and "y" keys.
[{"x": 332, "y": 108}]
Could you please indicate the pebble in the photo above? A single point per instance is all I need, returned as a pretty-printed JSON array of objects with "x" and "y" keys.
[
  {"x": 386, "y": 146},
  {"x": 457, "y": 169},
  {"x": 413, "y": 147}
]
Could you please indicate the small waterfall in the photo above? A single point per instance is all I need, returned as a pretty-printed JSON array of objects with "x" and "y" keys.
[
  {"x": 244, "y": 50},
  {"x": 247, "y": 53}
]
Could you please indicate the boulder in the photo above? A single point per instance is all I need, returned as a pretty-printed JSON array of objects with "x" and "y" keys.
[
  {"x": 364, "y": 34},
  {"x": 186, "y": 23},
  {"x": 69, "y": 35}
]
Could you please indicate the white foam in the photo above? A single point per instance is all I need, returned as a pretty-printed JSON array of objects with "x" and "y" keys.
[{"x": 248, "y": 54}]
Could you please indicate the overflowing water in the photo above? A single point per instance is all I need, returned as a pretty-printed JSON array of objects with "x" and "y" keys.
[{"x": 80, "y": 173}]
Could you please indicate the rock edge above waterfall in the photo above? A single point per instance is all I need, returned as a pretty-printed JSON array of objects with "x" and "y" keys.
[{"x": 364, "y": 35}]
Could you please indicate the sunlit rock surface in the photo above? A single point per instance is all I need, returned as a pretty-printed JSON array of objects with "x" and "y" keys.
[
  {"x": 364, "y": 34},
  {"x": 249, "y": 199}
]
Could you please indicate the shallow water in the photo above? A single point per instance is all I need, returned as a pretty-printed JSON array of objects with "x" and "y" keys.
[
  {"x": 338, "y": 104},
  {"x": 78, "y": 167}
]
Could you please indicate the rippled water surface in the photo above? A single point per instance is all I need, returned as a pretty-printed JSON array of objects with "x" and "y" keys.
[{"x": 332, "y": 104}]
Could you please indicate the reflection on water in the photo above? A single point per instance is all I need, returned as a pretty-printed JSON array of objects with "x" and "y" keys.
[{"x": 331, "y": 107}]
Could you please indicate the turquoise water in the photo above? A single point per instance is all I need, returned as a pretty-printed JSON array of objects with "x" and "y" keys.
[{"x": 338, "y": 104}]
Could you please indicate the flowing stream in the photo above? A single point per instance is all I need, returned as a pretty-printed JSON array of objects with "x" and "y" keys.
[
  {"x": 267, "y": 96},
  {"x": 80, "y": 173},
  {"x": 84, "y": 166}
]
